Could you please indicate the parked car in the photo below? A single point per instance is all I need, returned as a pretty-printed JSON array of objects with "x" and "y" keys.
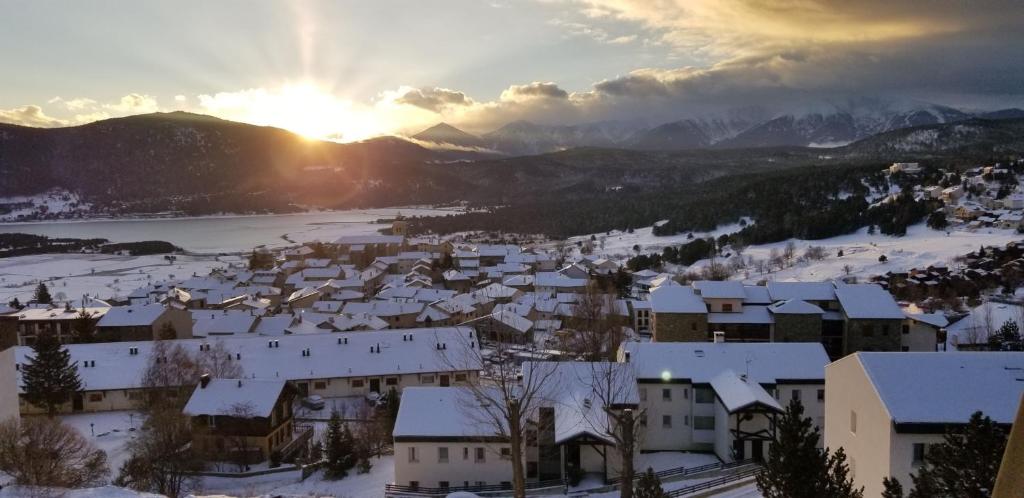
[{"x": 314, "y": 402}]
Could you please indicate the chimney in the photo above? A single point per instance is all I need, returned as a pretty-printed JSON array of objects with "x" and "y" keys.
[
  {"x": 204, "y": 380},
  {"x": 719, "y": 337}
]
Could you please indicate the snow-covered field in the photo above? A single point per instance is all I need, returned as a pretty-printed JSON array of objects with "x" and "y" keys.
[
  {"x": 109, "y": 431},
  {"x": 288, "y": 484},
  {"x": 54, "y": 202},
  {"x": 99, "y": 275}
]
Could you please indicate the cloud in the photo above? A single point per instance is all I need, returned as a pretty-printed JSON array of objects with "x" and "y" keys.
[
  {"x": 432, "y": 99},
  {"x": 134, "y": 104},
  {"x": 535, "y": 90},
  {"x": 29, "y": 115}
]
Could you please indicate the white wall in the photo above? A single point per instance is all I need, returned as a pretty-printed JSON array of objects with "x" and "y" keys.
[
  {"x": 428, "y": 471},
  {"x": 8, "y": 386}
]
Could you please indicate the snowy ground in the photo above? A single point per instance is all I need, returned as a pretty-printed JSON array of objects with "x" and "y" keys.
[
  {"x": 288, "y": 484},
  {"x": 664, "y": 460},
  {"x": 54, "y": 202},
  {"x": 109, "y": 431},
  {"x": 98, "y": 275}
]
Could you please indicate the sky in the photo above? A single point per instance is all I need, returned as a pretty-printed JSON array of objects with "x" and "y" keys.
[{"x": 349, "y": 70}]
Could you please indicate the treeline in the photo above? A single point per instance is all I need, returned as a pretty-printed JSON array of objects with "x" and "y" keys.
[{"x": 24, "y": 244}]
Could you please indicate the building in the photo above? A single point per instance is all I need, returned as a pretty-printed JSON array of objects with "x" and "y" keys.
[
  {"x": 884, "y": 409},
  {"x": 908, "y": 168},
  {"x": 337, "y": 364},
  {"x": 53, "y": 320},
  {"x": 722, "y": 397},
  {"x": 8, "y": 385},
  {"x": 144, "y": 322},
  {"x": 233, "y": 416},
  {"x": 677, "y": 314}
]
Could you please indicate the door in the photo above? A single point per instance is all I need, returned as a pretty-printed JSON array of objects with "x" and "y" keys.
[
  {"x": 445, "y": 381},
  {"x": 738, "y": 447},
  {"x": 757, "y": 450},
  {"x": 303, "y": 389},
  {"x": 76, "y": 403},
  {"x": 375, "y": 385}
]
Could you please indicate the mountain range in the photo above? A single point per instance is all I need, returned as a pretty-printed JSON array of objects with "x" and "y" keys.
[{"x": 824, "y": 125}]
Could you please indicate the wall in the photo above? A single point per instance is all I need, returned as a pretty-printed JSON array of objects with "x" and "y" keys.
[
  {"x": 808, "y": 397},
  {"x": 679, "y": 327},
  {"x": 921, "y": 337},
  {"x": 679, "y": 436},
  {"x": 8, "y": 386},
  {"x": 870, "y": 335},
  {"x": 429, "y": 471},
  {"x": 847, "y": 389},
  {"x": 797, "y": 328}
]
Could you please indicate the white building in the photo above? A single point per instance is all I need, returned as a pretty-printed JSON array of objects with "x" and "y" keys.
[
  {"x": 884, "y": 409},
  {"x": 697, "y": 396},
  {"x": 909, "y": 168}
]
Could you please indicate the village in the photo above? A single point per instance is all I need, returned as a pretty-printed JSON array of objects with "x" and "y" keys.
[{"x": 416, "y": 348}]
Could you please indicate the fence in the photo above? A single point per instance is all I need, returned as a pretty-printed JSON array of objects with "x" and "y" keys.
[
  {"x": 395, "y": 489},
  {"x": 685, "y": 471},
  {"x": 714, "y": 483}
]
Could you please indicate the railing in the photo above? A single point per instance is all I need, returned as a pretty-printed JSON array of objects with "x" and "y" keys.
[
  {"x": 714, "y": 483},
  {"x": 297, "y": 443},
  {"x": 685, "y": 471},
  {"x": 395, "y": 489}
]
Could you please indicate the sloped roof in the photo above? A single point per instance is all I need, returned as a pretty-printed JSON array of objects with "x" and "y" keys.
[
  {"x": 737, "y": 394},
  {"x": 795, "y": 307},
  {"x": 255, "y": 398},
  {"x": 712, "y": 289},
  {"x": 676, "y": 299},
  {"x": 804, "y": 291},
  {"x": 867, "y": 301},
  {"x": 702, "y": 361},
  {"x": 133, "y": 315}
]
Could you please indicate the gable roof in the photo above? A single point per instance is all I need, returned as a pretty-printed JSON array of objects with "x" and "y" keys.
[
  {"x": 804, "y": 291},
  {"x": 736, "y": 393},
  {"x": 132, "y": 315},
  {"x": 867, "y": 301},
  {"x": 712, "y": 289},
  {"x": 255, "y": 398},
  {"x": 699, "y": 362},
  {"x": 676, "y": 299},
  {"x": 795, "y": 307}
]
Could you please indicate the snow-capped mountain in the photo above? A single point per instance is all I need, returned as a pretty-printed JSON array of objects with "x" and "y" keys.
[
  {"x": 446, "y": 134},
  {"x": 524, "y": 137}
]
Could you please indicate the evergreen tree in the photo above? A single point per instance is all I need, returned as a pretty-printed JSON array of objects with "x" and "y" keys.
[
  {"x": 965, "y": 464},
  {"x": 391, "y": 410},
  {"x": 337, "y": 448},
  {"x": 893, "y": 488},
  {"x": 49, "y": 378},
  {"x": 1007, "y": 338},
  {"x": 648, "y": 486},
  {"x": 15, "y": 303},
  {"x": 84, "y": 327},
  {"x": 796, "y": 468},
  {"x": 42, "y": 294}
]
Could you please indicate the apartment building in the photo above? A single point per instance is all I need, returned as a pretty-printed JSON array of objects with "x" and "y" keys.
[{"x": 885, "y": 409}]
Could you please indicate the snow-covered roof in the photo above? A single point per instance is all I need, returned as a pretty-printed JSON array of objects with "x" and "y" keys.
[
  {"x": 45, "y": 314},
  {"x": 243, "y": 397},
  {"x": 330, "y": 357},
  {"x": 749, "y": 314},
  {"x": 273, "y": 325},
  {"x": 384, "y": 308},
  {"x": 369, "y": 239},
  {"x": 454, "y": 276},
  {"x": 577, "y": 390},
  {"x": 711, "y": 289},
  {"x": 867, "y": 301},
  {"x": 736, "y": 393},
  {"x": 676, "y": 299},
  {"x": 946, "y": 387},
  {"x": 795, "y": 307},
  {"x": 302, "y": 294},
  {"x": 555, "y": 279},
  {"x": 756, "y": 294},
  {"x": 131, "y": 316},
  {"x": 804, "y": 291},
  {"x": 222, "y": 322},
  {"x": 701, "y": 361},
  {"x": 441, "y": 412},
  {"x": 934, "y": 319}
]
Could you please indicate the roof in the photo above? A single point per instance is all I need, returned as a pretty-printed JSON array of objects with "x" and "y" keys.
[
  {"x": 795, "y": 307},
  {"x": 750, "y": 314},
  {"x": 711, "y": 289},
  {"x": 117, "y": 368},
  {"x": 222, "y": 322},
  {"x": 756, "y": 294},
  {"x": 676, "y": 299},
  {"x": 130, "y": 316},
  {"x": 736, "y": 393},
  {"x": 946, "y": 387},
  {"x": 254, "y": 398},
  {"x": 369, "y": 239},
  {"x": 868, "y": 301},
  {"x": 577, "y": 391},
  {"x": 441, "y": 412},
  {"x": 805, "y": 291},
  {"x": 934, "y": 319},
  {"x": 699, "y": 362}
]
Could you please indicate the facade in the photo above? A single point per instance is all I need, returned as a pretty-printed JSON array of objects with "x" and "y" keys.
[
  {"x": 884, "y": 409},
  {"x": 233, "y": 416},
  {"x": 329, "y": 364},
  {"x": 8, "y": 386},
  {"x": 723, "y": 397},
  {"x": 144, "y": 323},
  {"x": 58, "y": 321}
]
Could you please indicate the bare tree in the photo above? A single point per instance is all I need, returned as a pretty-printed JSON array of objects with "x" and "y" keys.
[
  {"x": 595, "y": 330},
  {"x": 237, "y": 443},
  {"x": 789, "y": 252},
  {"x": 501, "y": 399},
  {"x": 613, "y": 388},
  {"x": 215, "y": 360},
  {"x": 41, "y": 451}
]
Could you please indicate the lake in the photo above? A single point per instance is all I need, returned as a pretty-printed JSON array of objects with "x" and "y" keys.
[{"x": 227, "y": 233}]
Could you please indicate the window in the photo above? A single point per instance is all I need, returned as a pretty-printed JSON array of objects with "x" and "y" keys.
[
  {"x": 686, "y": 393},
  {"x": 460, "y": 377},
  {"x": 904, "y": 348},
  {"x": 906, "y": 329},
  {"x": 726, "y": 307},
  {"x": 666, "y": 421},
  {"x": 355, "y": 383},
  {"x": 320, "y": 385},
  {"x": 821, "y": 395},
  {"x": 643, "y": 394},
  {"x": 412, "y": 455},
  {"x": 465, "y": 453},
  {"x": 480, "y": 456},
  {"x": 704, "y": 423},
  {"x": 919, "y": 452},
  {"x": 95, "y": 397},
  {"x": 506, "y": 453},
  {"x": 853, "y": 421},
  {"x": 796, "y": 395},
  {"x": 531, "y": 470},
  {"x": 666, "y": 395},
  {"x": 442, "y": 484},
  {"x": 391, "y": 381},
  {"x": 643, "y": 419},
  {"x": 442, "y": 454},
  {"x": 426, "y": 379},
  {"x": 686, "y": 420},
  {"x": 868, "y": 330},
  {"x": 693, "y": 326},
  {"x": 885, "y": 329},
  {"x": 704, "y": 395}
]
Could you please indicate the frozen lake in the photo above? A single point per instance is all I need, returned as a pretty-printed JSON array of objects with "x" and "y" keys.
[{"x": 227, "y": 233}]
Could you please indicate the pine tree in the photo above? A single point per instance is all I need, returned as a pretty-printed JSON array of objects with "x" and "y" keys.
[
  {"x": 15, "y": 303},
  {"x": 348, "y": 448},
  {"x": 648, "y": 486},
  {"x": 49, "y": 378},
  {"x": 796, "y": 468},
  {"x": 42, "y": 294},
  {"x": 893, "y": 488},
  {"x": 965, "y": 464},
  {"x": 1007, "y": 338},
  {"x": 337, "y": 448},
  {"x": 84, "y": 327}
]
